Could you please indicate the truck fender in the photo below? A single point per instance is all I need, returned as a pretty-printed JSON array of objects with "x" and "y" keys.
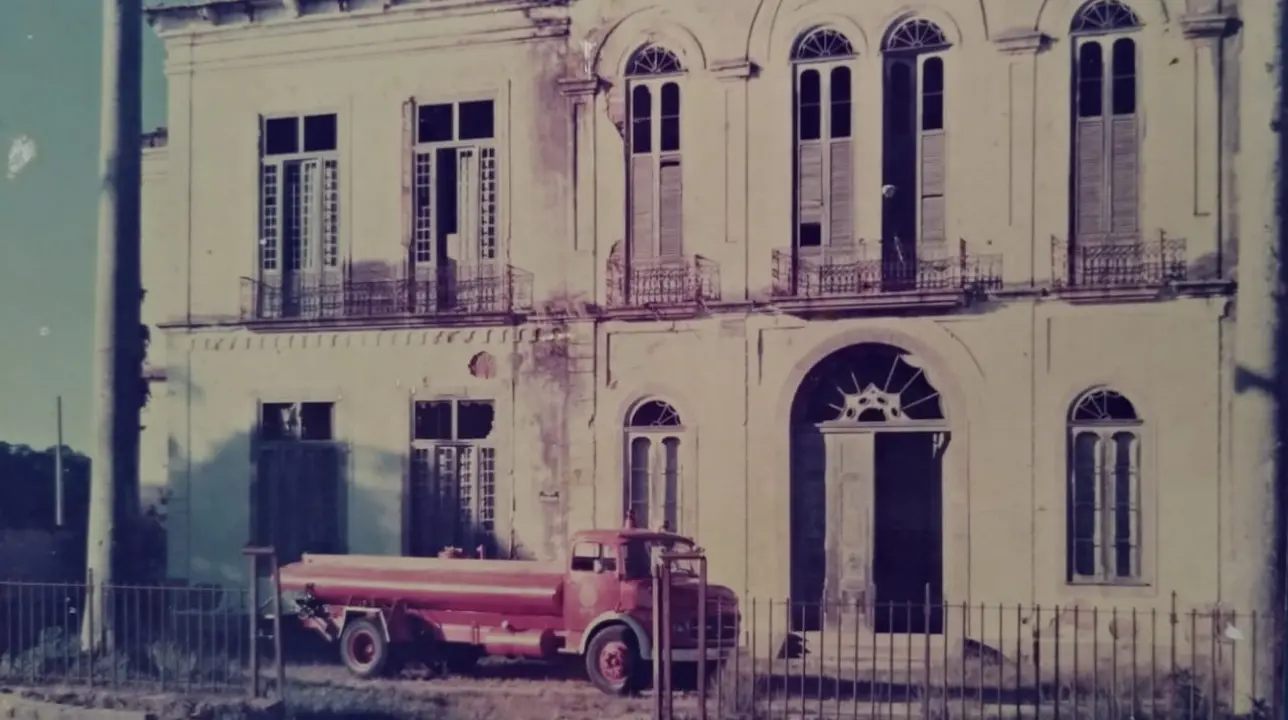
[
  {"x": 611, "y": 618},
  {"x": 356, "y": 612}
]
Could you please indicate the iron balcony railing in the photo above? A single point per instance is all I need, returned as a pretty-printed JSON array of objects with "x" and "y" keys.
[
  {"x": 1111, "y": 262},
  {"x": 452, "y": 290},
  {"x": 801, "y": 273},
  {"x": 664, "y": 281}
]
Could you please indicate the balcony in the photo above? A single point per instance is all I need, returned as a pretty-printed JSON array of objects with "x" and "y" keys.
[
  {"x": 456, "y": 293},
  {"x": 852, "y": 279},
  {"x": 658, "y": 284},
  {"x": 1124, "y": 267}
]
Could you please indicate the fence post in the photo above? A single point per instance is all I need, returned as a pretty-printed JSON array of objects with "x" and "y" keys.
[
  {"x": 252, "y": 599},
  {"x": 659, "y": 643},
  {"x": 702, "y": 639},
  {"x": 278, "y": 660},
  {"x": 925, "y": 632}
]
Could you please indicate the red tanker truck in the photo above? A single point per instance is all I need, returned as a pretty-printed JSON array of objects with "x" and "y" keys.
[{"x": 383, "y": 611}]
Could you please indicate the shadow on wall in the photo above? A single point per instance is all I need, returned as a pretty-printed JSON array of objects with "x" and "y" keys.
[{"x": 303, "y": 495}]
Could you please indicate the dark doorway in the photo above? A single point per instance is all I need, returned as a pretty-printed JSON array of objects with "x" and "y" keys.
[{"x": 907, "y": 564}]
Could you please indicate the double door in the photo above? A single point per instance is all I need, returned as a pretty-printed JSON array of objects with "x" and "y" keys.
[{"x": 867, "y": 522}]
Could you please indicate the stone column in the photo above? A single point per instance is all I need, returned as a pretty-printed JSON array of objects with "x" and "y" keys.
[{"x": 733, "y": 75}]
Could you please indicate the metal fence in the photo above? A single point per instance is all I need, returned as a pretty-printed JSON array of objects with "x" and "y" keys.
[
  {"x": 798, "y": 660},
  {"x": 154, "y": 637}
]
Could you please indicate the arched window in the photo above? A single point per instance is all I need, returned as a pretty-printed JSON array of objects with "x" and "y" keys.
[
  {"x": 655, "y": 213},
  {"x": 654, "y": 465},
  {"x": 913, "y": 163},
  {"x": 1104, "y": 493},
  {"x": 1106, "y": 134},
  {"x": 824, "y": 120}
]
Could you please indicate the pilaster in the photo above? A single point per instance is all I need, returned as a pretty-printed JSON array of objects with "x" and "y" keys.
[{"x": 1027, "y": 258}]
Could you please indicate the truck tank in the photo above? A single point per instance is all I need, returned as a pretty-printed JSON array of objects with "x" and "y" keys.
[{"x": 512, "y": 587}]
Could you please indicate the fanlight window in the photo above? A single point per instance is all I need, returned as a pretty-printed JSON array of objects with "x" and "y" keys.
[
  {"x": 653, "y": 60},
  {"x": 916, "y": 35},
  {"x": 654, "y": 467},
  {"x": 1104, "y": 16},
  {"x": 1104, "y": 490},
  {"x": 869, "y": 383},
  {"x": 823, "y": 44}
]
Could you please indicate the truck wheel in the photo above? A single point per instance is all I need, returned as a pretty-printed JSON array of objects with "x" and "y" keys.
[
  {"x": 363, "y": 648},
  {"x": 613, "y": 662}
]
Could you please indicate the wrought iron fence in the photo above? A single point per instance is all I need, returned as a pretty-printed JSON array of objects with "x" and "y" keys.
[
  {"x": 812, "y": 660},
  {"x": 800, "y": 274},
  {"x": 455, "y": 289},
  {"x": 1118, "y": 262},
  {"x": 662, "y": 281},
  {"x": 152, "y": 637}
]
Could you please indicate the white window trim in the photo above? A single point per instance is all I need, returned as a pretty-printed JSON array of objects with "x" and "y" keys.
[
  {"x": 824, "y": 68},
  {"x": 314, "y": 248},
  {"x": 478, "y": 255},
  {"x": 654, "y": 83}
]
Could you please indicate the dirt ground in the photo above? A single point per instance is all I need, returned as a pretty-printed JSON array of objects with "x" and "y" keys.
[{"x": 514, "y": 692}]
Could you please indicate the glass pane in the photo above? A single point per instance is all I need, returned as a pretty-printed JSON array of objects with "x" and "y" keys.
[
  {"x": 840, "y": 87},
  {"x": 1126, "y": 511},
  {"x": 1124, "y": 77},
  {"x": 671, "y": 482},
  {"x": 637, "y": 491},
  {"x": 641, "y": 120},
  {"x": 932, "y": 94},
  {"x": 1083, "y": 504},
  {"x": 1090, "y": 81},
  {"x": 809, "y": 106},
  {"x": 670, "y": 117}
]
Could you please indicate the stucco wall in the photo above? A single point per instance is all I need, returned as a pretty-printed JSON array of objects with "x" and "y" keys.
[{"x": 1009, "y": 370}]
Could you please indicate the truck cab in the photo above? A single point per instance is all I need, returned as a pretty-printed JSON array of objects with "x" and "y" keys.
[{"x": 610, "y": 585}]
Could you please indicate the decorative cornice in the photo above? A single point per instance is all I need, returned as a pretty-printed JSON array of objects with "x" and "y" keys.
[
  {"x": 1208, "y": 25},
  {"x": 580, "y": 87},
  {"x": 1021, "y": 41},
  {"x": 733, "y": 69}
]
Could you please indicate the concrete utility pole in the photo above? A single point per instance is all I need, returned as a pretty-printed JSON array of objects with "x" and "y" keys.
[{"x": 118, "y": 344}]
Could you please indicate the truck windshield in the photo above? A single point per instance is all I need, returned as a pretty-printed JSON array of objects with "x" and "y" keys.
[{"x": 639, "y": 557}]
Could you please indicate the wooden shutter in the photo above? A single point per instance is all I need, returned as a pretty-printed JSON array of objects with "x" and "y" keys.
[
  {"x": 1089, "y": 194},
  {"x": 642, "y": 222},
  {"x": 408, "y": 173},
  {"x": 670, "y": 208},
  {"x": 840, "y": 195},
  {"x": 810, "y": 181},
  {"x": 1123, "y": 172},
  {"x": 933, "y": 231}
]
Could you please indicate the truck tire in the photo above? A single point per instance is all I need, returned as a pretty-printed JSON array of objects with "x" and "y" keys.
[
  {"x": 613, "y": 661},
  {"x": 363, "y": 648}
]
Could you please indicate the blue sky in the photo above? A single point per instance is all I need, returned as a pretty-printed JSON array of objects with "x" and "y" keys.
[{"x": 49, "y": 91}]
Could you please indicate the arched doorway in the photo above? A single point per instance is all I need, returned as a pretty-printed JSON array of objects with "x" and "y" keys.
[{"x": 869, "y": 432}]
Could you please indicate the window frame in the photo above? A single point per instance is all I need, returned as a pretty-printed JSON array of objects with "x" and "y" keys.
[
  {"x": 1145, "y": 515},
  {"x": 655, "y": 84},
  {"x": 316, "y": 244},
  {"x": 657, "y": 437},
  {"x": 916, "y": 59},
  {"x": 497, "y": 144},
  {"x": 479, "y": 449},
  {"x": 1106, "y": 39},
  {"x": 825, "y": 67}
]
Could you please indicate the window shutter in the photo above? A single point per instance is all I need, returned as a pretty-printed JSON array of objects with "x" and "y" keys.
[
  {"x": 408, "y": 173},
  {"x": 670, "y": 208},
  {"x": 1089, "y": 215},
  {"x": 840, "y": 196},
  {"x": 1123, "y": 173},
  {"x": 933, "y": 230},
  {"x": 642, "y": 206},
  {"x": 810, "y": 191}
]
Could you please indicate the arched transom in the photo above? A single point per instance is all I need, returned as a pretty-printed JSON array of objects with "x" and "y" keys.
[
  {"x": 1104, "y": 16},
  {"x": 867, "y": 383},
  {"x": 1103, "y": 405},
  {"x": 916, "y": 35},
  {"x": 822, "y": 44},
  {"x": 654, "y": 414},
  {"x": 654, "y": 60}
]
